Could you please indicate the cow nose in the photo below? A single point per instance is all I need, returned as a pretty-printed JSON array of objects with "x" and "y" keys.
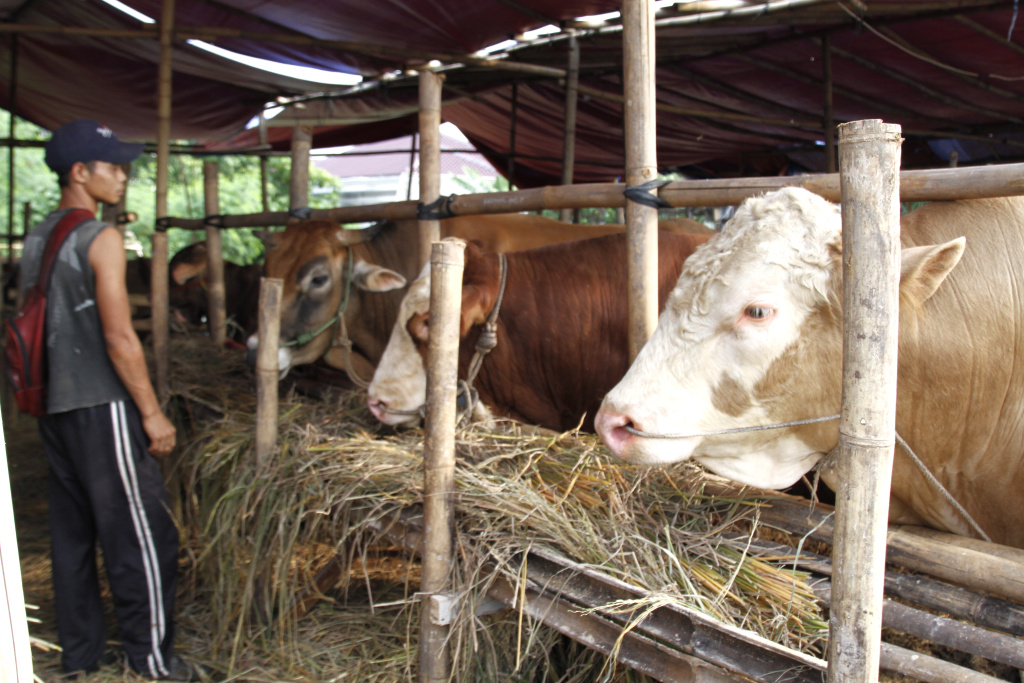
[
  {"x": 378, "y": 407},
  {"x": 611, "y": 428}
]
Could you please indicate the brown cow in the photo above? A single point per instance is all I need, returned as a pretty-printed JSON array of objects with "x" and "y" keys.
[
  {"x": 310, "y": 258},
  {"x": 189, "y": 291},
  {"x": 561, "y": 331}
]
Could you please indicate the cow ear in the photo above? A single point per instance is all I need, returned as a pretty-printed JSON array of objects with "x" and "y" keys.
[
  {"x": 374, "y": 278},
  {"x": 477, "y": 302},
  {"x": 923, "y": 269}
]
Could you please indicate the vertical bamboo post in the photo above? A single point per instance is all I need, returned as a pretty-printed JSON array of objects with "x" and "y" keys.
[
  {"x": 264, "y": 193},
  {"x": 828, "y": 120},
  {"x": 446, "y": 266},
  {"x": 158, "y": 273},
  {"x": 869, "y": 160},
  {"x": 572, "y": 87},
  {"x": 430, "y": 156},
  {"x": 26, "y": 225},
  {"x": 12, "y": 99},
  {"x": 267, "y": 368},
  {"x": 302, "y": 142},
  {"x": 412, "y": 167},
  {"x": 510, "y": 167},
  {"x": 641, "y": 166},
  {"x": 214, "y": 255}
]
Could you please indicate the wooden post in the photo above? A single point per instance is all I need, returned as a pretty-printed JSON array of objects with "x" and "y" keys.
[
  {"x": 828, "y": 120},
  {"x": 267, "y": 368},
  {"x": 302, "y": 142},
  {"x": 869, "y": 161},
  {"x": 264, "y": 192},
  {"x": 430, "y": 157},
  {"x": 641, "y": 167},
  {"x": 214, "y": 255},
  {"x": 572, "y": 87},
  {"x": 510, "y": 166},
  {"x": 158, "y": 272},
  {"x": 15, "y": 652},
  {"x": 12, "y": 99},
  {"x": 446, "y": 266},
  {"x": 412, "y": 167}
]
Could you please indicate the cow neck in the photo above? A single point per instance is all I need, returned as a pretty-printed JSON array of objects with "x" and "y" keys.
[
  {"x": 485, "y": 343},
  {"x": 307, "y": 337}
]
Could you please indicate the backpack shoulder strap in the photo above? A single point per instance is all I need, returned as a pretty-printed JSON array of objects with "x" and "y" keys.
[{"x": 71, "y": 220}]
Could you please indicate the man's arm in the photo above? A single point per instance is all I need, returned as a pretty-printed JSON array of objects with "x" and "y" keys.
[{"x": 106, "y": 255}]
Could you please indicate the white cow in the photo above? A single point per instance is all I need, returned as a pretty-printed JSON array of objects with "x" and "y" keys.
[{"x": 752, "y": 335}]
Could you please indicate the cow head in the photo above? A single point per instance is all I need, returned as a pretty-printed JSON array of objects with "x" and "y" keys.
[
  {"x": 319, "y": 270},
  {"x": 187, "y": 294},
  {"x": 399, "y": 387},
  {"x": 752, "y": 335}
]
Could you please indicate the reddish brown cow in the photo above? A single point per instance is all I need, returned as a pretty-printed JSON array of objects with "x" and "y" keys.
[{"x": 561, "y": 330}]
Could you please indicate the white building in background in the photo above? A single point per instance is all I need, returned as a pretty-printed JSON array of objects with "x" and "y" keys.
[{"x": 388, "y": 171}]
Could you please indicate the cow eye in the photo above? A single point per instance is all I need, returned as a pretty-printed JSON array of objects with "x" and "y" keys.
[
  {"x": 319, "y": 281},
  {"x": 757, "y": 312}
]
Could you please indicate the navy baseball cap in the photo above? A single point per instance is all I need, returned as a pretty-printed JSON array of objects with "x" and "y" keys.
[{"x": 86, "y": 140}]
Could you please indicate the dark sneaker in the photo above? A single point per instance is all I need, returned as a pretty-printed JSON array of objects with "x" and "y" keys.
[{"x": 178, "y": 670}]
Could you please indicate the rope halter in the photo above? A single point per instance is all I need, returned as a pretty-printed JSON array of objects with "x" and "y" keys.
[{"x": 307, "y": 337}]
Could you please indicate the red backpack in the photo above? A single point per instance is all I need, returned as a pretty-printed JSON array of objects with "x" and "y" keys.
[{"x": 25, "y": 331}]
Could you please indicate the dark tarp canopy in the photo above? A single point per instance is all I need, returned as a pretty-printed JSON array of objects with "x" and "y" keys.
[{"x": 740, "y": 84}]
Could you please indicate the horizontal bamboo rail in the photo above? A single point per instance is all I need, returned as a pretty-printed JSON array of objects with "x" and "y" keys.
[{"x": 979, "y": 182}]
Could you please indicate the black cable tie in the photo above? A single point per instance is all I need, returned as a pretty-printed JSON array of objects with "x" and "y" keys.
[
  {"x": 301, "y": 213},
  {"x": 437, "y": 210},
  {"x": 163, "y": 223},
  {"x": 645, "y": 194},
  {"x": 215, "y": 221}
]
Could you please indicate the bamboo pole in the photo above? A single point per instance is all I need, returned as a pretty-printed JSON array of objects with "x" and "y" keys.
[
  {"x": 829, "y": 121},
  {"x": 976, "y": 182},
  {"x": 267, "y": 368},
  {"x": 430, "y": 157},
  {"x": 302, "y": 143},
  {"x": 214, "y": 255},
  {"x": 641, "y": 167},
  {"x": 12, "y": 99},
  {"x": 446, "y": 266},
  {"x": 869, "y": 174},
  {"x": 264, "y": 173},
  {"x": 158, "y": 273},
  {"x": 510, "y": 169},
  {"x": 572, "y": 87}
]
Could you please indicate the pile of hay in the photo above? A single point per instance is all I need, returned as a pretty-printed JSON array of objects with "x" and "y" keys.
[{"x": 260, "y": 534}]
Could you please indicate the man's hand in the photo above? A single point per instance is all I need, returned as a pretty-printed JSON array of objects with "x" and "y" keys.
[{"x": 161, "y": 432}]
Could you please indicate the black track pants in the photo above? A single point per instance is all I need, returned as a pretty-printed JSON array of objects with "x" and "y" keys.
[{"x": 106, "y": 487}]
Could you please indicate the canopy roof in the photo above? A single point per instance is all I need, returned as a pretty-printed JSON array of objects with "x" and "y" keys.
[{"x": 740, "y": 84}]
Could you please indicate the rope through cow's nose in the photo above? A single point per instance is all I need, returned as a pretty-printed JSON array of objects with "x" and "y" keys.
[{"x": 736, "y": 430}]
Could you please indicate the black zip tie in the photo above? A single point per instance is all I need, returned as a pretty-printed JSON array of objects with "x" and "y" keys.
[
  {"x": 436, "y": 210},
  {"x": 163, "y": 223},
  {"x": 215, "y": 221},
  {"x": 644, "y": 194},
  {"x": 302, "y": 213}
]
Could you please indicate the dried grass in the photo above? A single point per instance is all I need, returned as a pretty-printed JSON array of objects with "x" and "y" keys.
[{"x": 259, "y": 535}]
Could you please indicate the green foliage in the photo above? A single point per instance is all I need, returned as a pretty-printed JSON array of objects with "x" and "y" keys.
[{"x": 239, "y": 179}]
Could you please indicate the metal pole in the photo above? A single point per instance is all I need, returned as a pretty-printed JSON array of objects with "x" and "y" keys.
[
  {"x": 430, "y": 156},
  {"x": 869, "y": 160},
  {"x": 214, "y": 255},
  {"x": 158, "y": 273},
  {"x": 267, "y": 368},
  {"x": 572, "y": 86},
  {"x": 829, "y": 122},
  {"x": 641, "y": 166},
  {"x": 446, "y": 265}
]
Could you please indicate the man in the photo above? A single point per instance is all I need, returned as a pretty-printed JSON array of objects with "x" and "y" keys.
[{"x": 103, "y": 426}]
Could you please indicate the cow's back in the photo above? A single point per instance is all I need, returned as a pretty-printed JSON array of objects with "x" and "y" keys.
[{"x": 961, "y": 377}]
